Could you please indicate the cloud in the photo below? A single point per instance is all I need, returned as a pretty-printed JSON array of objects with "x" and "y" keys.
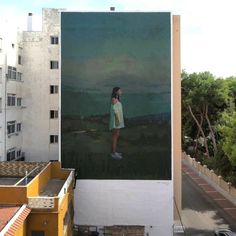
[
  {"x": 14, "y": 18},
  {"x": 207, "y": 27},
  {"x": 207, "y": 35}
]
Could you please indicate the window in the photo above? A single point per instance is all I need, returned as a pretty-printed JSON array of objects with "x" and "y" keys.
[
  {"x": 54, "y": 40},
  {"x": 0, "y": 104},
  {"x": 19, "y": 59},
  {"x": 18, "y": 153},
  {"x": 11, "y": 99},
  {"x": 53, "y": 114},
  {"x": 11, "y": 154},
  {"x": 53, "y": 138},
  {"x": 12, "y": 45},
  {"x": 11, "y": 127},
  {"x": 53, "y": 89},
  {"x": 54, "y": 64},
  {"x": 11, "y": 72},
  {"x": 0, "y": 74},
  {"x": 19, "y": 100},
  {"x": 19, "y": 76},
  {"x": 37, "y": 233},
  {"x": 18, "y": 127}
]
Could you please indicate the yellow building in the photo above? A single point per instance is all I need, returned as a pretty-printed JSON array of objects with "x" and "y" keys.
[{"x": 36, "y": 199}]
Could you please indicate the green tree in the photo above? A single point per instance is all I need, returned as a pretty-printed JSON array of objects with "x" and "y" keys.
[
  {"x": 228, "y": 132},
  {"x": 231, "y": 82},
  {"x": 209, "y": 121},
  {"x": 203, "y": 99}
]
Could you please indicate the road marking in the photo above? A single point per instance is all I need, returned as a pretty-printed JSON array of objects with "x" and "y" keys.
[
  {"x": 230, "y": 208},
  {"x": 196, "y": 178},
  {"x": 211, "y": 191},
  {"x": 202, "y": 184},
  {"x": 219, "y": 199}
]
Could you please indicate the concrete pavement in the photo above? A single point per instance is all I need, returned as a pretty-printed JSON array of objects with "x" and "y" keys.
[{"x": 204, "y": 209}]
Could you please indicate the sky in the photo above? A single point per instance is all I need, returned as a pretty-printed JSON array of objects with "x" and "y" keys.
[{"x": 208, "y": 35}]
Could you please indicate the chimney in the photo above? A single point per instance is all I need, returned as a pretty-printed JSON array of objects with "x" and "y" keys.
[
  {"x": 29, "y": 22},
  {"x": 112, "y": 8}
]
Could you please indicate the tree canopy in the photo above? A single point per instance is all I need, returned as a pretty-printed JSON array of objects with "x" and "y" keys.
[{"x": 209, "y": 119}]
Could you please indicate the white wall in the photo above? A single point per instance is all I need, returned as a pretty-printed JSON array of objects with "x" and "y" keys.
[
  {"x": 126, "y": 202},
  {"x": 38, "y": 52},
  {"x": 9, "y": 57}
]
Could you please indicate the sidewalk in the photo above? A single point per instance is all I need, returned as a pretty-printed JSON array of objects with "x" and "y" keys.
[{"x": 216, "y": 197}]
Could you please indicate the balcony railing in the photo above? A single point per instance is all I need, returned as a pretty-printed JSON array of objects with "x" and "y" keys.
[
  {"x": 44, "y": 202},
  {"x": 41, "y": 202}
]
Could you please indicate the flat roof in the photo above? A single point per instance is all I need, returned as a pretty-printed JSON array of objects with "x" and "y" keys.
[
  {"x": 52, "y": 188},
  {"x": 9, "y": 180},
  {"x": 19, "y": 173}
]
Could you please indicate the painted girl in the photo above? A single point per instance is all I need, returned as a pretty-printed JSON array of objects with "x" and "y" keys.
[{"x": 116, "y": 120}]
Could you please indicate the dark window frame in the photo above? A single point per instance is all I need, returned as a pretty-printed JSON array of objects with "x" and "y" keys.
[
  {"x": 54, "y": 40},
  {"x": 54, "y": 89},
  {"x": 53, "y": 139},
  {"x": 54, "y": 65}
]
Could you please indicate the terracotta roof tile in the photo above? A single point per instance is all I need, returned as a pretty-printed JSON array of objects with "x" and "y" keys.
[
  {"x": 10, "y": 212},
  {"x": 6, "y": 213}
]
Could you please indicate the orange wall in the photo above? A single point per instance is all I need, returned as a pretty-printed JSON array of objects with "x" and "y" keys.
[
  {"x": 177, "y": 116},
  {"x": 57, "y": 172},
  {"x": 51, "y": 222},
  {"x": 8, "y": 195},
  {"x": 22, "y": 230},
  {"x": 63, "y": 209},
  {"x": 43, "y": 221},
  {"x": 39, "y": 182}
]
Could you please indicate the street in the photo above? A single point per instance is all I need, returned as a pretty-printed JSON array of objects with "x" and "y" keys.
[{"x": 200, "y": 215}]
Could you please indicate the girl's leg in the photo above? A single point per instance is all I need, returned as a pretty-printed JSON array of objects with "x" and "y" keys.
[{"x": 115, "y": 136}]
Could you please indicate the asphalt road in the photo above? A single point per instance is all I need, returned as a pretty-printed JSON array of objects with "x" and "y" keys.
[{"x": 200, "y": 215}]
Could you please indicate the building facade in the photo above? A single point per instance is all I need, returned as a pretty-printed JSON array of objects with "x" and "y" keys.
[
  {"x": 29, "y": 91},
  {"x": 11, "y": 107},
  {"x": 36, "y": 199},
  {"x": 30, "y": 81},
  {"x": 41, "y": 72}
]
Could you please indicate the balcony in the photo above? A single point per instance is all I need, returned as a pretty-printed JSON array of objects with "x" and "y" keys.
[
  {"x": 53, "y": 192},
  {"x": 40, "y": 185}
]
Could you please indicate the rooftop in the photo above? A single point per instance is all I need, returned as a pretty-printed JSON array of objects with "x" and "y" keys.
[
  {"x": 52, "y": 188},
  {"x": 11, "y": 218},
  {"x": 6, "y": 213},
  {"x": 39, "y": 185},
  {"x": 18, "y": 173}
]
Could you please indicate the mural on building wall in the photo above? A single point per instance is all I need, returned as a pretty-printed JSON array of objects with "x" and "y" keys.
[{"x": 116, "y": 95}]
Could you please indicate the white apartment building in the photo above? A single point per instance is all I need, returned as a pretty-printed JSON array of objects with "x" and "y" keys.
[
  {"x": 29, "y": 91},
  {"x": 41, "y": 72},
  {"x": 11, "y": 102}
]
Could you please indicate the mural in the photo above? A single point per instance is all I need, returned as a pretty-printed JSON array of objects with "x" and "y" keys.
[{"x": 116, "y": 95}]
